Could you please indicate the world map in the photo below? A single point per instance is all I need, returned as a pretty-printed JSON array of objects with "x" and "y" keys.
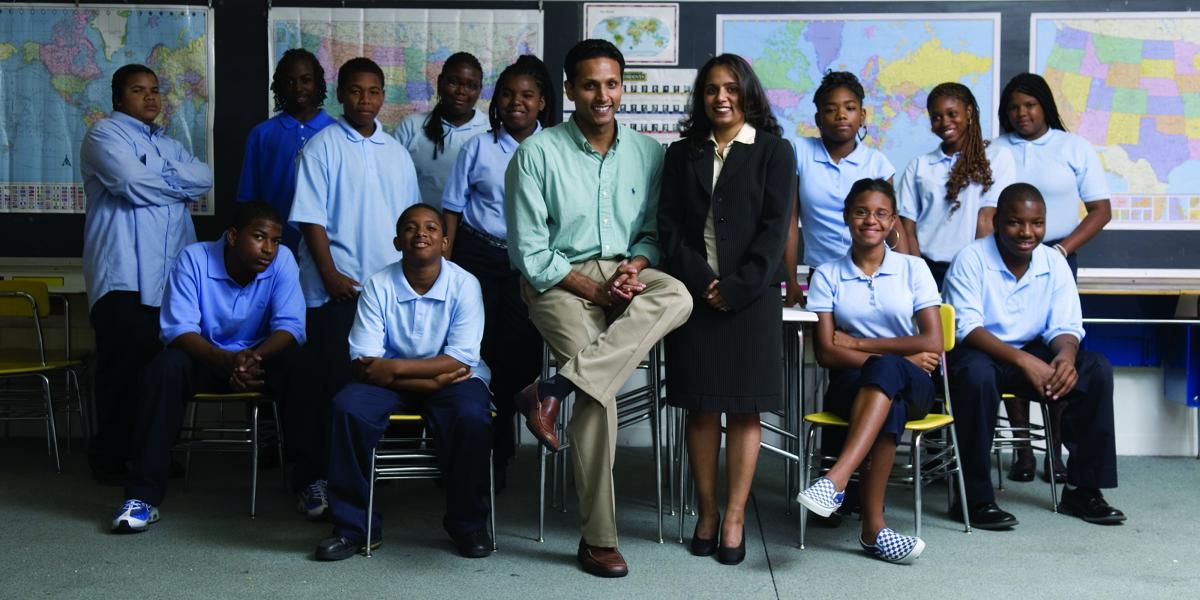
[
  {"x": 1131, "y": 87},
  {"x": 56, "y": 66},
  {"x": 898, "y": 59},
  {"x": 638, "y": 38},
  {"x": 409, "y": 45}
]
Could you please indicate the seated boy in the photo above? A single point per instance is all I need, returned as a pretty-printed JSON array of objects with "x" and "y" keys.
[
  {"x": 414, "y": 347},
  {"x": 231, "y": 312},
  {"x": 1019, "y": 328}
]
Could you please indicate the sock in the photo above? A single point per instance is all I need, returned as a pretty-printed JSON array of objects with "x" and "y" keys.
[{"x": 557, "y": 386}]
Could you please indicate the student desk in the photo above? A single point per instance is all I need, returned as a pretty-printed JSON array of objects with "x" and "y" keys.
[{"x": 1147, "y": 317}]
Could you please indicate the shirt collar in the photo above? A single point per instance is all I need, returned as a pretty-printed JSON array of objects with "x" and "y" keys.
[
  {"x": 1039, "y": 263},
  {"x": 889, "y": 266},
  {"x": 287, "y": 121},
  {"x": 745, "y": 135},
  {"x": 129, "y": 121},
  {"x": 216, "y": 262},
  {"x": 856, "y": 156},
  {"x": 405, "y": 293},
  {"x": 509, "y": 145},
  {"x": 1016, "y": 138},
  {"x": 582, "y": 141},
  {"x": 939, "y": 155},
  {"x": 379, "y": 137}
]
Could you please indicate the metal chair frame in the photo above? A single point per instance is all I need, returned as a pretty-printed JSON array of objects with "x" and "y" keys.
[
  {"x": 1034, "y": 437},
  {"x": 394, "y": 458},
  {"x": 229, "y": 435},
  {"x": 634, "y": 406}
]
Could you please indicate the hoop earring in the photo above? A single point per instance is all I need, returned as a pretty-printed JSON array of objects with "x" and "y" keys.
[
  {"x": 862, "y": 133},
  {"x": 888, "y": 240}
]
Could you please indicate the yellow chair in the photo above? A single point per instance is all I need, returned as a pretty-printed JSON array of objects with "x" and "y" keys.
[
  {"x": 233, "y": 434},
  {"x": 408, "y": 457},
  {"x": 942, "y": 462},
  {"x": 31, "y": 299}
]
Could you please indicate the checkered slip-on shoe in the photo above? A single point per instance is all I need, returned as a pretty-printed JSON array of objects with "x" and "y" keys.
[
  {"x": 821, "y": 497},
  {"x": 894, "y": 548}
]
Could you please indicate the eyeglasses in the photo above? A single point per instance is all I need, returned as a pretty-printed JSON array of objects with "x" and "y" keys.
[{"x": 860, "y": 214}]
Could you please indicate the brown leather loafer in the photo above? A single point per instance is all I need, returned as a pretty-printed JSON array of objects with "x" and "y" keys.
[
  {"x": 601, "y": 562},
  {"x": 541, "y": 414}
]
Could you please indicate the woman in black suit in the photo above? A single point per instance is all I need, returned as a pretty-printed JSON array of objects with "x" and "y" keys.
[{"x": 723, "y": 219}]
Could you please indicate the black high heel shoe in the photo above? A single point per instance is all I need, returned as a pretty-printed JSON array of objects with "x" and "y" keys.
[
  {"x": 702, "y": 546},
  {"x": 732, "y": 556}
]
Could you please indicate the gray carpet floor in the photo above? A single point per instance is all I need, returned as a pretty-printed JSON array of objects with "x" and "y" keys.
[{"x": 55, "y": 543}]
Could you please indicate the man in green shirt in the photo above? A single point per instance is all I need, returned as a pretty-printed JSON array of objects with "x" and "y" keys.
[{"x": 580, "y": 204}]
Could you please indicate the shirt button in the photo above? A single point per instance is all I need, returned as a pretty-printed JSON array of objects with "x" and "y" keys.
[
  {"x": 606, "y": 246},
  {"x": 605, "y": 221}
]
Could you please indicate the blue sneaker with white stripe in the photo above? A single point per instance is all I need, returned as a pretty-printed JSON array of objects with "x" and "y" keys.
[
  {"x": 134, "y": 517},
  {"x": 821, "y": 497},
  {"x": 314, "y": 500},
  {"x": 894, "y": 547}
]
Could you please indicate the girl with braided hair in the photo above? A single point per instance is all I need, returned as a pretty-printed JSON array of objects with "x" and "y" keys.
[
  {"x": 948, "y": 196},
  {"x": 435, "y": 138},
  {"x": 477, "y": 236}
]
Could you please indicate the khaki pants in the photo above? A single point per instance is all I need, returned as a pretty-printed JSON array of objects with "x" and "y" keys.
[{"x": 597, "y": 349}]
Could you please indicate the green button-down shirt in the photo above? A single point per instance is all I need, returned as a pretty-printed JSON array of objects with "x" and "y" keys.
[{"x": 564, "y": 203}]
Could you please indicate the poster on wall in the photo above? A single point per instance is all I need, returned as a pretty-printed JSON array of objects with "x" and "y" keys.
[
  {"x": 56, "y": 67},
  {"x": 647, "y": 33},
  {"x": 898, "y": 58},
  {"x": 653, "y": 102},
  {"x": 1129, "y": 83},
  {"x": 410, "y": 46}
]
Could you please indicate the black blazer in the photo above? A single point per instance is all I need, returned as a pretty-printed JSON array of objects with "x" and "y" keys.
[{"x": 751, "y": 203}]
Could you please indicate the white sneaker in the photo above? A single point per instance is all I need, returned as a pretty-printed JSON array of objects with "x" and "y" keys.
[{"x": 134, "y": 517}]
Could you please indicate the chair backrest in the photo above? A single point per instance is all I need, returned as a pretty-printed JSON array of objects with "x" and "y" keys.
[
  {"x": 28, "y": 299},
  {"x": 947, "y": 313},
  {"x": 20, "y": 298}
]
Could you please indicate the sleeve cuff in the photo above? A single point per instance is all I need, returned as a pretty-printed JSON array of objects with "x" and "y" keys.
[
  {"x": 650, "y": 251},
  {"x": 551, "y": 275},
  {"x": 465, "y": 358},
  {"x": 169, "y": 334}
]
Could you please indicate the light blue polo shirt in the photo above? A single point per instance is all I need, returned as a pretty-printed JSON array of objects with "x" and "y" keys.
[
  {"x": 355, "y": 188},
  {"x": 434, "y": 172},
  {"x": 138, "y": 183},
  {"x": 1065, "y": 169},
  {"x": 921, "y": 197},
  {"x": 202, "y": 298},
  {"x": 880, "y": 306},
  {"x": 393, "y": 321},
  {"x": 269, "y": 166},
  {"x": 1043, "y": 303},
  {"x": 823, "y": 188},
  {"x": 476, "y": 186}
]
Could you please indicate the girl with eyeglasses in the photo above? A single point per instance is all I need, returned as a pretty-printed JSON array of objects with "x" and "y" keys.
[{"x": 879, "y": 362}]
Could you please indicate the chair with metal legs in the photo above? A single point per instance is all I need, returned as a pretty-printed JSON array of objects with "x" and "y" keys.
[
  {"x": 237, "y": 433},
  {"x": 1031, "y": 436},
  {"x": 942, "y": 462},
  {"x": 399, "y": 457},
  {"x": 643, "y": 403}
]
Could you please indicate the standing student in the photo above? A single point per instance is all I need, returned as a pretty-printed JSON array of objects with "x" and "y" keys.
[
  {"x": 353, "y": 182},
  {"x": 232, "y": 312},
  {"x": 867, "y": 303},
  {"x": 1019, "y": 328},
  {"x": 414, "y": 346},
  {"x": 477, "y": 237},
  {"x": 580, "y": 205},
  {"x": 138, "y": 184},
  {"x": 273, "y": 147},
  {"x": 827, "y": 166},
  {"x": 1067, "y": 171},
  {"x": 723, "y": 217},
  {"x": 948, "y": 196},
  {"x": 435, "y": 138}
]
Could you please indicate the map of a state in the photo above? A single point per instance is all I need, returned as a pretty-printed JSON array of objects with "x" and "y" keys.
[{"x": 1129, "y": 83}]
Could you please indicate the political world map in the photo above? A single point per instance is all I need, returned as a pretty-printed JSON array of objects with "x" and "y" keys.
[{"x": 56, "y": 66}]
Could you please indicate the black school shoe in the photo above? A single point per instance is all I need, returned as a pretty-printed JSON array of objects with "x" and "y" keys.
[
  {"x": 340, "y": 548},
  {"x": 985, "y": 515},
  {"x": 473, "y": 544},
  {"x": 1089, "y": 505}
]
